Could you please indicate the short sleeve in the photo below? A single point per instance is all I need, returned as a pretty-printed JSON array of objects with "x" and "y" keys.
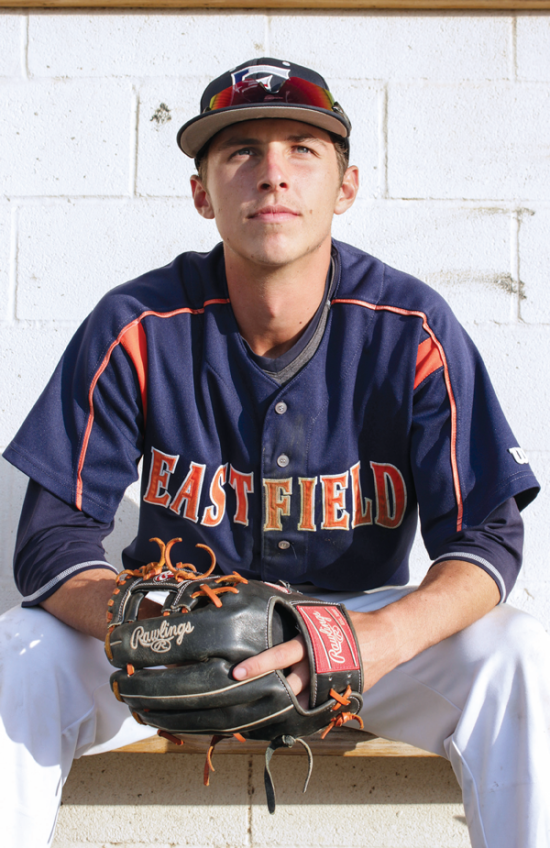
[
  {"x": 83, "y": 439},
  {"x": 465, "y": 459}
]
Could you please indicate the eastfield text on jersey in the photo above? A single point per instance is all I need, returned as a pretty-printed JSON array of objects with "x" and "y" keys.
[{"x": 343, "y": 505}]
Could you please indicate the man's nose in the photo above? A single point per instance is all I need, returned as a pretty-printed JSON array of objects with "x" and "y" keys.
[{"x": 273, "y": 174}]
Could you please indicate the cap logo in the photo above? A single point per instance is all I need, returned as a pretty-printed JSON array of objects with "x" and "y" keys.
[{"x": 268, "y": 75}]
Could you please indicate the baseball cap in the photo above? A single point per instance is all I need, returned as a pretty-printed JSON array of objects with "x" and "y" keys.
[{"x": 263, "y": 88}]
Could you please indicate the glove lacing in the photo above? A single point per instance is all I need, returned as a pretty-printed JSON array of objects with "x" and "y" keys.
[
  {"x": 342, "y": 700},
  {"x": 343, "y": 717},
  {"x": 282, "y": 742},
  {"x": 179, "y": 571}
]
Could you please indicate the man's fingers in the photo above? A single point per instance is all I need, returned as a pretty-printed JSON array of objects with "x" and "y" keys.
[
  {"x": 298, "y": 678},
  {"x": 281, "y": 656}
]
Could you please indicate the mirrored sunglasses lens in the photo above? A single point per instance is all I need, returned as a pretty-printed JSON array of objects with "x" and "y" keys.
[
  {"x": 237, "y": 95},
  {"x": 293, "y": 90},
  {"x": 307, "y": 93}
]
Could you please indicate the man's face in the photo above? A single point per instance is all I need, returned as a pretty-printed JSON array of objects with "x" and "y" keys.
[{"x": 272, "y": 187}]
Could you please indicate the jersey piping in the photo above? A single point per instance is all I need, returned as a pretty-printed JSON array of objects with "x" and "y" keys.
[
  {"x": 60, "y": 578},
  {"x": 135, "y": 348},
  {"x": 466, "y": 555},
  {"x": 417, "y": 314}
]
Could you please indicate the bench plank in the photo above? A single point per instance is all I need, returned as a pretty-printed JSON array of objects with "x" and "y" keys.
[{"x": 341, "y": 742}]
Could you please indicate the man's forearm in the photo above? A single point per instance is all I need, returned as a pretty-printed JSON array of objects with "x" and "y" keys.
[
  {"x": 81, "y": 602},
  {"x": 453, "y": 595}
]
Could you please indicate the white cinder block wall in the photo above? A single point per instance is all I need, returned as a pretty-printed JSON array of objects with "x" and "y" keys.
[{"x": 452, "y": 136}]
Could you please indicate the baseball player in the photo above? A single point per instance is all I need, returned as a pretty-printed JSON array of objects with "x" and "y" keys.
[{"x": 296, "y": 404}]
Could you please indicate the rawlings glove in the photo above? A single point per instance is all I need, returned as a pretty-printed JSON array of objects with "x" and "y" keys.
[{"x": 207, "y": 625}]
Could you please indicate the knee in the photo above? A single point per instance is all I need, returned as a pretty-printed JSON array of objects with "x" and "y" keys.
[
  {"x": 33, "y": 643},
  {"x": 23, "y": 628},
  {"x": 517, "y": 638}
]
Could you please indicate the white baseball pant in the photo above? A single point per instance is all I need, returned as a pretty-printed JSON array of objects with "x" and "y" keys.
[{"x": 480, "y": 698}]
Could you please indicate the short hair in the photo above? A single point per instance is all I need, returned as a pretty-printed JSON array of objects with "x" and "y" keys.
[{"x": 341, "y": 146}]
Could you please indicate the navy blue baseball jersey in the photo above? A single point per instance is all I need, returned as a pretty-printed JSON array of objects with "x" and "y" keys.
[{"x": 318, "y": 480}]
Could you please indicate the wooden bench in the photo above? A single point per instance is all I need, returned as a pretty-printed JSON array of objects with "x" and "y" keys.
[{"x": 343, "y": 742}]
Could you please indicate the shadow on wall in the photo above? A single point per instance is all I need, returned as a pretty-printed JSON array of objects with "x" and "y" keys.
[
  {"x": 13, "y": 485},
  {"x": 175, "y": 779},
  {"x": 160, "y": 798}
]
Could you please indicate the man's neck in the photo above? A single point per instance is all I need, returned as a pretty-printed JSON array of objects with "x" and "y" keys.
[{"x": 274, "y": 305}]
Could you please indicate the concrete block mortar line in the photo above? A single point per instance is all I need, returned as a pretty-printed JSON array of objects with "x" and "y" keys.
[
  {"x": 13, "y": 265},
  {"x": 267, "y": 34},
  {"x": 514, "y": 265},
  {"x": 482, "y": 204},
  {"x": 383, "y": 142},
  {"x": 134, "y": 142},
  {"x": 91, "y": 200},
  {"x": 250, "y": 792},
  {"x": 513, "y": 48},
  {"x": 25, "y": 46},
  {"x": 39, "y": 324},
  {"x": 519, "y": 214}
]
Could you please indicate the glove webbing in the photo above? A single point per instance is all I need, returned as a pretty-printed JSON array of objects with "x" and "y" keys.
[{"x": 179, "y": 571}]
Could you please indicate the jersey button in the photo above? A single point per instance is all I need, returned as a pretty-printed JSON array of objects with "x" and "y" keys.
[
  {"x": 283, "y": 460},
  {"x": 284, "y": 545},
  {"x": 281, "y": 407}
]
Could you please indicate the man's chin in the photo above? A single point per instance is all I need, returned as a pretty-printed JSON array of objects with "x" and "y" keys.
[
  {"x": 276, "y": 251},
  {"x": 277, "y": 254}
]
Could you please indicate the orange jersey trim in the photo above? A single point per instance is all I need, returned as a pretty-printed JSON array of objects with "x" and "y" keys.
[
  {"x": 132, "y": 338},
  {"x": 134, "y": 343},
  {"x": 435, "y": 342},
  {"x": 428, "y": 360}
]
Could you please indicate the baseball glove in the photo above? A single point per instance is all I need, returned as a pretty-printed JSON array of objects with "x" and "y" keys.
[{"x": 207, "y": 625}]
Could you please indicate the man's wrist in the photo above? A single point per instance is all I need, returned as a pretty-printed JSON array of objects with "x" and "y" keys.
[{"x": 81, "y": 602}]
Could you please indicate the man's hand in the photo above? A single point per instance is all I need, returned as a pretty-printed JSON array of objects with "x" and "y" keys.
[
  {"x": 288, "y": 655},
  {"x": 374, "y": 640},
  {"x": 452, "y": 596}
]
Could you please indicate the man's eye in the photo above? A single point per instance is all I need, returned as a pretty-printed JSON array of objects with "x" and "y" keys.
[
  {"x": 301, "y": 148},
  {"x": 243, "y": 151}
]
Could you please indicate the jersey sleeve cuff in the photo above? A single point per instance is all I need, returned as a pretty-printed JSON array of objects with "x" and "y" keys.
[
  {"x": 53, "y": 585},
  {"x": 493, "y": 572}
]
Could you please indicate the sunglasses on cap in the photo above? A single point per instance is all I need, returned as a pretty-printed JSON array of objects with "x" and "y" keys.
[
  {"x": 263, "y": 88},
  {"x": 293, "y": 90}
]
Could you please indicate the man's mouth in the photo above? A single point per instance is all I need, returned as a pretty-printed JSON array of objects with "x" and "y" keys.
[{"x": 276, "y": 213}]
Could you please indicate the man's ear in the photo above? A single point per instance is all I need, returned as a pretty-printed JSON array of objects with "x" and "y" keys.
[
  {"x": 201, "y": 198},
  {"x": 348, "y": 190}
]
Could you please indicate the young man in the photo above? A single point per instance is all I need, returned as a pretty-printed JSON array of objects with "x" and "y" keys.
[{"x": 295, "y": 403}]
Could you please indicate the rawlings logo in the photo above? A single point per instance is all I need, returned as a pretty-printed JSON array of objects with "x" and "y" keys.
[
  {"x": 334, "y": 636},
  {"x": 164, "y": 575},
  {"x": 160, "y": 640}
]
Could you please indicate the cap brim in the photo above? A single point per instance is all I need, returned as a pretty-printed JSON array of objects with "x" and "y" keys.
[{"x": 195, "y": 133}]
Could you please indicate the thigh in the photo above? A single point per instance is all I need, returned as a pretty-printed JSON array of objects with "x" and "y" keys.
[
  {"x": 55, "y": 697},
  {"x": 481, "y": 670}
]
